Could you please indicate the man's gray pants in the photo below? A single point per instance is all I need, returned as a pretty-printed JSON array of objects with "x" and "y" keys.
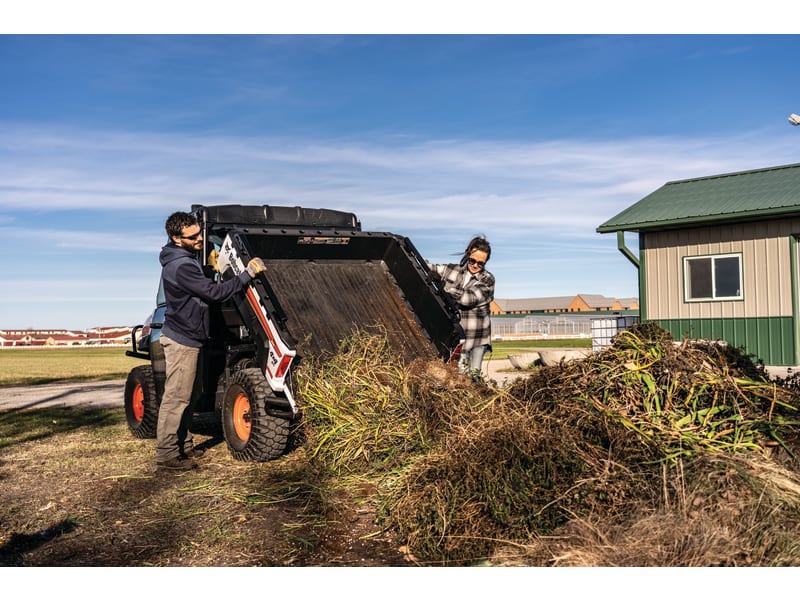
[{"x": 175, "y": 415}]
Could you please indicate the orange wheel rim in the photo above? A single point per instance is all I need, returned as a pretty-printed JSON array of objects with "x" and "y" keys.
[
  {"x": 241, "y": 416},
  {"x": 138, "y": 402}
]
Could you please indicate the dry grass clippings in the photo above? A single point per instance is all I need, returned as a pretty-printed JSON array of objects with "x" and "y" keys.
[{"x": 617, "y": 442}]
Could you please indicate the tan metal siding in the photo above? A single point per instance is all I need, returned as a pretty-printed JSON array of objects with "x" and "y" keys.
[{"x": 764, "y": 247}]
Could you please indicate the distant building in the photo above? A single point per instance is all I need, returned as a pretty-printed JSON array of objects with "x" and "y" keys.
[
  {"x": 97, "y": 336},
  {"x": 582, "y": 303}
]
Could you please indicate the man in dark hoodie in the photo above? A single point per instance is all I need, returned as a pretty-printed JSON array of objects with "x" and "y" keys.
[{"x": 188, "y": 292}]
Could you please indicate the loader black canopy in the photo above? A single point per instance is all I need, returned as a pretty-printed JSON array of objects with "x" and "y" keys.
[{"x": 326, "y": 277}]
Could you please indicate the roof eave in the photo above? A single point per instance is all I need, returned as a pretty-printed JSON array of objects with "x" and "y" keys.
[{"x": 755, "y": 215}]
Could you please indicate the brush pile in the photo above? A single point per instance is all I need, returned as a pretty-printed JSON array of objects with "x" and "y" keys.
[{"x": 648, "y": 453}]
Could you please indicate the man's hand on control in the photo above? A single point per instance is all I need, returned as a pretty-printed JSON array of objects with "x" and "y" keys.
[{"x": 255, "y": 266}]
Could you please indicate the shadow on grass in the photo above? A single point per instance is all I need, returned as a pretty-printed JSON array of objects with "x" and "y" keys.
[
  {"x": 12, "y": 553},
  {"x": 18, "y": 426},
  {"x": 29, "y": 425}
]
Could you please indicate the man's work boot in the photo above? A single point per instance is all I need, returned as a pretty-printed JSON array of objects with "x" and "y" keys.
[
  {"x": 194, "y": 453},
  {"x": 179, "y": 463}
]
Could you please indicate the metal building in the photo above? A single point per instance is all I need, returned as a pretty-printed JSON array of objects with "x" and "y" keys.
[{"x": 717, "y": 259}]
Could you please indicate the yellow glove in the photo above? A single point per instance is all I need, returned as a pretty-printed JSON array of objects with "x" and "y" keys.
[
  {"x": 255, "y": 266},
  {"x": 212, "y": 260}
]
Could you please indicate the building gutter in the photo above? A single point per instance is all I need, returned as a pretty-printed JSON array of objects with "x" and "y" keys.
[
  {"x": 626, "y": 252},
  {"x": 793, "y": 243}
]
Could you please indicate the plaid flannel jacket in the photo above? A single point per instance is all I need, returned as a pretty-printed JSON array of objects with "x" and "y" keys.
[{"x": 473, "y": 297}]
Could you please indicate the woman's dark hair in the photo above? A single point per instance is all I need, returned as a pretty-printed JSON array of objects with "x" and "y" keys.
[{"x": 477, "y": 243}]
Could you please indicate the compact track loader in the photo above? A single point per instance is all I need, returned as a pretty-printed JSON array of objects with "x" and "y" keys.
[{"x": 325, "y": 279}]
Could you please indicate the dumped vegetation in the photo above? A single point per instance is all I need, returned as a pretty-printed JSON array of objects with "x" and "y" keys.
[{"x": 648, "y": 453}]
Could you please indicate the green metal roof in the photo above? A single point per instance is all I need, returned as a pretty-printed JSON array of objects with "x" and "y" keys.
[{"x": 745, "y": 196}]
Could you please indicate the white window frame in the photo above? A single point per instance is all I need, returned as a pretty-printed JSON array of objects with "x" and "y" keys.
[{"x": 713, "y": 258}]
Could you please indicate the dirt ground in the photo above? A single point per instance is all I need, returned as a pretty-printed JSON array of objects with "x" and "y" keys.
[{"x": 86, "y": 493}]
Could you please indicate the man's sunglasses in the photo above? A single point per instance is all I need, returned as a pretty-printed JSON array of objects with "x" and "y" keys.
[
  {"x": 476, "y": 263},
  {"x": 192, "y": 237}
]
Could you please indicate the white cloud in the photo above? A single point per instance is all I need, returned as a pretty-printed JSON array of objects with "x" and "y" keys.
[
  {"x": 567, "y": 183},
  {"x": 96, "y": 241}
]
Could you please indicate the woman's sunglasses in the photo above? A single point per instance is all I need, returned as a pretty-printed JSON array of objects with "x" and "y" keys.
[{"x": 476, "y": 263}]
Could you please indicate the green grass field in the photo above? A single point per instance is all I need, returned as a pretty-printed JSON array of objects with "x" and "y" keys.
[
  {"x": 503, "y": 349},
  {"x": 26, "y": 366}
]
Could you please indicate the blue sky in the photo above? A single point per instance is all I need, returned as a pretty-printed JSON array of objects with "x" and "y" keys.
[{"x": 532, "y": 140}]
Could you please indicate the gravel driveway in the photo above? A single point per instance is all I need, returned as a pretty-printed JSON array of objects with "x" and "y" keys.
[{"x": 94, "y": 394}]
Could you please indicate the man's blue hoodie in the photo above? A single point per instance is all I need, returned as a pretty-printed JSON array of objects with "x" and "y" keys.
[{"x": 188, "y": 292}]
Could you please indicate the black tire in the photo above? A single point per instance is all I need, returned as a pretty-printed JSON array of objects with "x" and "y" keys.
[
  {"x": 141, "y": 402},
  {"x": 250, "y": 433}
]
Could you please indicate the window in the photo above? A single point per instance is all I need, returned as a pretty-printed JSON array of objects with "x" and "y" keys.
[{"x": 713, "y": 277}]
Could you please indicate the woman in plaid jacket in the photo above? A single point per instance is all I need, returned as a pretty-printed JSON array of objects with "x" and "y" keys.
[{"x": 472, "y": 287}]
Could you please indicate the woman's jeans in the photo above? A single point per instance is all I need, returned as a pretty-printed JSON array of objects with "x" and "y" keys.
[{"x": 471, "y": 360}]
